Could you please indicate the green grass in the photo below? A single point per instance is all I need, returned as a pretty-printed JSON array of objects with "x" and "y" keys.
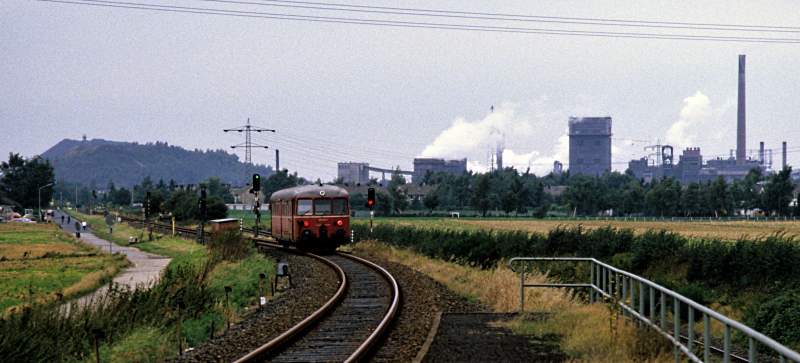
[{"x": 39, "y": 261}]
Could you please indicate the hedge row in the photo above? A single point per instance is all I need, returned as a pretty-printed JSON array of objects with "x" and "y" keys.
[{"x": 766, "y": 261}]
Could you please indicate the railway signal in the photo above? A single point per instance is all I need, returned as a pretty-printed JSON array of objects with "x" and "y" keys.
[
  {"x": 371, "y": 198},
  {"x": 256, "y": 182},
  {"x": 371, "y": 205}
]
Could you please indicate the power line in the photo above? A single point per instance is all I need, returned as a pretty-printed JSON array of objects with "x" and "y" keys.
[{"x": 442, "y": 26}]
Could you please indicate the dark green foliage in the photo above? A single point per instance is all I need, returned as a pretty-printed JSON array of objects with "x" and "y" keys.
[
  {"x": 127, "y": 163},
  {"x": 653, "y": 247},
  {"x": 228, "y": 245},
  {"x": 20, "y": 180},
  {"x": 766, "y": 261},
  {"x": 31, "y": 335},
  {"x": 779, "y": 318}
]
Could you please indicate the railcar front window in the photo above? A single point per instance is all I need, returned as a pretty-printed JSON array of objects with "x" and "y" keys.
[
  {"x": 322, "y": 206},
  {"x": 340, "y": 206},
  {"x": 304, "y": 207}
]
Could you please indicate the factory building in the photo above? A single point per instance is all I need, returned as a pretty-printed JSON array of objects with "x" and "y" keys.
[
  {"x": 354, "y": 172},
  {"x": 424, "y": 165},
  {"x": 690, "y": 166},
  {"x": 590, "y": 145}
]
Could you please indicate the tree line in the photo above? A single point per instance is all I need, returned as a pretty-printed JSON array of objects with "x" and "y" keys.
[
  {"x": 21, "y": 179},
  {"x": 507, "y": 191}
]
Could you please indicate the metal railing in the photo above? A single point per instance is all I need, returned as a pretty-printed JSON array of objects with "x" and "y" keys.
[{"x": 628, "y": 292}]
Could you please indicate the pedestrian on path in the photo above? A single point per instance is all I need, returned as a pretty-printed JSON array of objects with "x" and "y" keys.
[
  {"x": 69, "y": 219},
  {"x": 84, "y": 225},
  {"x": 62, "y": 219}
]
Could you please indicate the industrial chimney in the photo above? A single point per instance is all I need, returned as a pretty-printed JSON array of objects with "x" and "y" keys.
[
  {"x": 784, "y": 154},
  {"x": 741, "y": 127}
]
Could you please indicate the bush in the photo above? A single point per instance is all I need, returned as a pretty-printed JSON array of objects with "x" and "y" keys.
[{"x": 779, "y": 319}]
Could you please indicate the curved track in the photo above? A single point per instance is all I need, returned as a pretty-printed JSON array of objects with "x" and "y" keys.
[{"x": 343, "y": 333}]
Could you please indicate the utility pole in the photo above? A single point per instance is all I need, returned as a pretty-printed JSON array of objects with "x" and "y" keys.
[{"x": 248, "y": 145}]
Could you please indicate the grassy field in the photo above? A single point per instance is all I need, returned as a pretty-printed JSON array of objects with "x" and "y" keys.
[
  {"x": 180, "y": 250},
  {"x": 729, "y": 231},
  {"x": 39, "y": 261}
]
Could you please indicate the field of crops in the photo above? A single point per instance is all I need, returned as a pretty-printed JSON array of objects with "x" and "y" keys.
[{"x": 725, "y": 230}]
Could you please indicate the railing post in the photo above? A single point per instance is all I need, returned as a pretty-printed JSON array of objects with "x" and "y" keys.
[
  {"x": 522, "y": 285},
  {"x": 652, "y": 306},
  {"x": 663, "y": 311},
  {"x": 624, "y": 295},
  {"x": 691, "y": 328},
  {"x": 753, "y": 351},
  {"x": 677, "y": 327},
  {"x": 592, "y": 292},
  {"x": 727, "y": 357},
  {"x": 706, "y": 337},
  {"x": 641, "y": 301}
]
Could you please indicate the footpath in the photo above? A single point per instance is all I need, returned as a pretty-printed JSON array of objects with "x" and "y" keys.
[{"x": 146, "y": 268}]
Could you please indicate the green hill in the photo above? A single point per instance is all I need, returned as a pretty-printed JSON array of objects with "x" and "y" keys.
[{"x": 127, "y": 163}]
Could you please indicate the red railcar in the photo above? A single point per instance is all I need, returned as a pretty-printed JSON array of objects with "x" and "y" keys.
[{"x": 311, "y": 216}]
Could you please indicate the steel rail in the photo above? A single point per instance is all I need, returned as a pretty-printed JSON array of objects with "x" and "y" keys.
[
  {"x": 384, "y": 324},
  {"x": 305, "y": 323}
]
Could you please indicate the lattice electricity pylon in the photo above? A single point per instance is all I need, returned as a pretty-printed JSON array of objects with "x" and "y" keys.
[{"x": 247, "y": 144}]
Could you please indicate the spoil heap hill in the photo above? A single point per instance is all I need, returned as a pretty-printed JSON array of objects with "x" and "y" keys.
[{"x": 126, "y": 164}]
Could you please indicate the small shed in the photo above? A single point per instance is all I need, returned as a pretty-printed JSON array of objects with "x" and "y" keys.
[{"x": 218, "y": 225}]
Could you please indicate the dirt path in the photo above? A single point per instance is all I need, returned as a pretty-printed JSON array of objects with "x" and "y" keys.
[{"x": 146, "y": 268}]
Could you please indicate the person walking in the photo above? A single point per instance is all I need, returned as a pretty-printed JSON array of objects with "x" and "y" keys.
[
  {"x": 62, "y": 219},
  {"x": 84, "y": 225}
]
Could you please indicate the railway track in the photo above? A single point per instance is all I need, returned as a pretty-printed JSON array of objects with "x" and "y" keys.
[
  {"x": 346, "y": 328},
  {"x": 336, "y": 332}
]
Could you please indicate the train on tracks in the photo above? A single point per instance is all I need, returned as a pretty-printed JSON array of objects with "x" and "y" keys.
[{"x": 311, "y": 217}]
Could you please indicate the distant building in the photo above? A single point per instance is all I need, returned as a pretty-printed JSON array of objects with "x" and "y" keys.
[
  {"x": 424, "y": 165},
  {"x": 354, "y": 172},
  {"x": 589, "y": 145},
  {"x": 558, "y": 167},
  {"x": 690, "y": 167}
]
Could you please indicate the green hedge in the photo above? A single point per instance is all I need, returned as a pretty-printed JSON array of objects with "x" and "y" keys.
[{"x": 772, "y": 261}]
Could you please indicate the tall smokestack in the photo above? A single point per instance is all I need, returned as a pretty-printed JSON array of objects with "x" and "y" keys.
[
  {"x": 741, "y": 127},
  {"x": 784, "y": 154},
  {"x": 277, "y": 160},
  {"x": 761, "y": 153}
]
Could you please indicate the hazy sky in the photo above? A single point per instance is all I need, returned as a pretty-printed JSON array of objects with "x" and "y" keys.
[{"x": 338, "y": 91}]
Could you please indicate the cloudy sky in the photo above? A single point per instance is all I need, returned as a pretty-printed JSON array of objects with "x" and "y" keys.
[{"x": 384, "y": 82}]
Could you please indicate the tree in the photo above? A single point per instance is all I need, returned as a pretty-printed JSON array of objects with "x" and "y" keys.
[
  {"x": 215, "y": 187},
  {"x": 399, "y": 195},
  {"x": 718, "y": 197},
  {"x": 21, "y": 180},
  {"x": 480, "y": 194},
  {"x": 777, "y": 193},
  {"x": 121, "y": 196},
  {"x": 217, "y": 209},
  {"x": 692, "y": 200},
  {"x": 431, "y": 200},
  {"x": 278, "y": 181},
  {"x": 632, "y": 198},
  {"x": 509, "y": 202},
  {"x": 383, "y": 202}
]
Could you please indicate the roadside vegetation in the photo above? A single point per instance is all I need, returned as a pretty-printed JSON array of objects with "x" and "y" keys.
[
  {"x": 135, "y": 325},
  {"x": 754, "y": 279},
  {"x": 40, "y": 264}
]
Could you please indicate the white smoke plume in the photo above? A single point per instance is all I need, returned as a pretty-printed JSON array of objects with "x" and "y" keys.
[
  {"x": 698, "y": 124},
  {"x": 478, "y": 140}
]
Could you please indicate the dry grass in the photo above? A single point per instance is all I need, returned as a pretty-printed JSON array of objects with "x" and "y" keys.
[
  {"x": 498, "y": 288},
  {"x": 588, "y": 333},
  {"x": 730, "y": 231},
  {"x": 596, "y": 333}
]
